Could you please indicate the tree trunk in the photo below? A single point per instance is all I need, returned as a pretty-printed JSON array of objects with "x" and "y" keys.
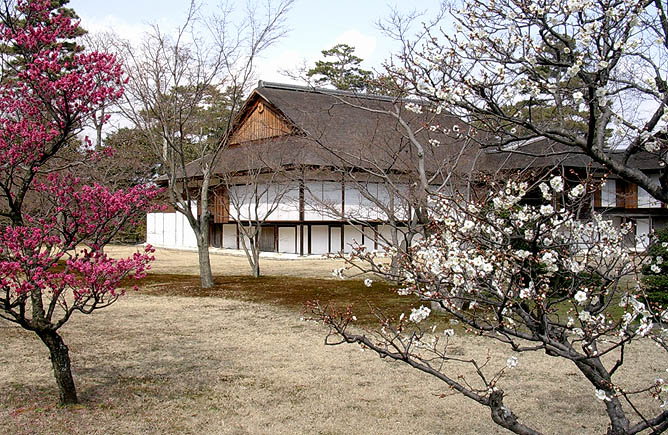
[
  {"x": 60, "y": 360},
  {"x": 594, "y": 371},
  {"x": 205, "y": 275},
  {"x": 256, "y": 262}
]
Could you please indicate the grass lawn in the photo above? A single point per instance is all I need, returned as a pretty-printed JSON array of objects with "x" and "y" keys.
[{"x": 292, "y": 293}]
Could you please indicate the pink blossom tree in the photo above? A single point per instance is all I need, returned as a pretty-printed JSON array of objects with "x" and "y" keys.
[
  {"x": 534, "y": 278},
  {"x": 54, "y": 227}
]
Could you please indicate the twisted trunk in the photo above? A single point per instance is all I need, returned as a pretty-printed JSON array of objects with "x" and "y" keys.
[{"x": 60, "y": 360}]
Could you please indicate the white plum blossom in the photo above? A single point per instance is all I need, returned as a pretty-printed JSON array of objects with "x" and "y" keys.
[
  {"x": 545, "y": 191},
  {"x": 576, "y": 192},
  {"x": 419, "y": 314},
  {"x": 522, "y": 254},
  {"x": 512, "y": 362},
  {"x": 580, "y": 297},
  {"x": 549, "y": 259},
  {"x": 652, "y": 146},
  {"x": 449, "y": 332},
  {"x": 546, "y": 210},
  {"x": 557, "y": 184},
  {"x": 415, "y": 108},
  {"x": 526, "y": 293},
  {"x": 368, "y": 282},
  {"x": 585, "y": 316},
  {"x": 601, "y": 395},
  {"x": 645, "y": 327}
]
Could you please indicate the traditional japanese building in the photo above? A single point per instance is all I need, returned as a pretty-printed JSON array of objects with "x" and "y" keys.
[{"x": 324, "y": 170}]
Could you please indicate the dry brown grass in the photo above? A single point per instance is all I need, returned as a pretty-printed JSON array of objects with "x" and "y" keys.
[
  {"x": 174, "y": 261},
  {"x": 233, "y": 364}
]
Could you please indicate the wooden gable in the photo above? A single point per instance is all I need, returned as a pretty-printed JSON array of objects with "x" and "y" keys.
[{"x": 261, "y": 122}]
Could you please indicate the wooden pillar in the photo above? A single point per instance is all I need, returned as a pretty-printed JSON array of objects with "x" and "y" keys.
[
  {"x": 301, "y": 216},
  {"x": 309, "y": 239},
  {"x": 275, "y": 238}
]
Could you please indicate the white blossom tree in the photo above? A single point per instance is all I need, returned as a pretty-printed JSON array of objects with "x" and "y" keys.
[
  {"x": 531, "y": 277},
  {"x": 590, "y": 76}
]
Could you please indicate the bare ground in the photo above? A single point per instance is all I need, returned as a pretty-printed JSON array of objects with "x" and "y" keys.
[{"x": 174, "y": 364}]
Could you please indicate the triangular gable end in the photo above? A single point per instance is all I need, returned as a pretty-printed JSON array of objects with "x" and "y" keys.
[{"x": 261, "y": 122}]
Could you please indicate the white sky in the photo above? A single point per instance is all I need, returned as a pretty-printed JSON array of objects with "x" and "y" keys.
[{"x": 314, "y": 25}]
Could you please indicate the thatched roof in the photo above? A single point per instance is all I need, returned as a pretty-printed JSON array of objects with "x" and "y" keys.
[
  {"x": 343, "y": 130},
  {"x": 326, "y": 128}
]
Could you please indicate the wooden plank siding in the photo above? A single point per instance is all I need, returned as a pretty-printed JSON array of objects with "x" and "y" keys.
[
  {"x": 261, "y": 123},
  {"x": 220, "y": 205},
  {"x": 627, "y": 194},
  {"x": 597, "y": 197}
]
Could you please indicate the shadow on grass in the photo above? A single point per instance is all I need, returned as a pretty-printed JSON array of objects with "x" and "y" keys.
[{"x": 290, "y": 292}]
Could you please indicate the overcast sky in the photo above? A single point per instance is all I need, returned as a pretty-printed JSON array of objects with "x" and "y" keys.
[{"x": 314, "y": 25}]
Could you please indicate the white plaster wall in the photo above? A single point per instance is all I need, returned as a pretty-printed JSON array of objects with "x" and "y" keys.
[
  {"x": 188, "y": 239},
  {"x": 369, "y": 238},
  {"x": 240, "y": 202},
  {"x": 313, "y": 201},
  {"x": 352, "y": 236},
  {"x": 299, "y": 230},
  {"x": 322, "y": 201},
  {"x": 331, "y": 196},
  {"x": 336, "y": 239},
  {"x": 368, "y": 196},
  {"x": 642, "y": 233},
  {"x": 384, "y": 236},
  {"x": 288, "y": 209},
  {"x": 364, "y": 208},
  {"x": 230, "y": 236},
  {"x": 319, "y": 239},
  {"x": 265, "y": 197},
  {"x": 352, "y": 205},
  {"x": 305, "y": 229},
  {"x": 154, "y": 229},
  {"x": 286, "y": 240},
  {"x": 170, "y": 230},
  {"x": 384, "y": 199}
]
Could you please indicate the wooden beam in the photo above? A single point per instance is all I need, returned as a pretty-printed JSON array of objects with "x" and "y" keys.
[{"x": 301, "y": 216}]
